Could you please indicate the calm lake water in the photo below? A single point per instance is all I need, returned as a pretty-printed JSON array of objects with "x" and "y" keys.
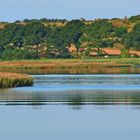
[{"x": 72, "y": 107}]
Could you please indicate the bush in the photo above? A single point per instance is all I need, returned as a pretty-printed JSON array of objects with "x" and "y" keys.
[
  {"x": 120, "y": 31},
  {"x": 124, "y": 53},
  {"x": 18, "y": 54}
]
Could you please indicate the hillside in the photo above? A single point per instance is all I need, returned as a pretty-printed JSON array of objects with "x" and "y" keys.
[
  {"x": 2, "y": 25},
  {"x": 59, "y": 38}
]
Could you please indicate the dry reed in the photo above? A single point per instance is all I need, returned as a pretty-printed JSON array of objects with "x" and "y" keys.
[{"x": 8, "y": 80}]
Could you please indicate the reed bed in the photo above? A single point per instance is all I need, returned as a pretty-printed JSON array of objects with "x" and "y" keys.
[
  {"x": 68, "y": 63},
  {"x": 8, "y": 80},
  {"x": 72, "y": 66}
]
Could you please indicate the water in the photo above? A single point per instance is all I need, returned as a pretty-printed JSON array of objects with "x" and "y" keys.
[{"x": 78, "y": 107}]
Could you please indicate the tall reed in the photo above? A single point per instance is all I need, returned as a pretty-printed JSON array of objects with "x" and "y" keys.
[{"x": 8, "y": 80}]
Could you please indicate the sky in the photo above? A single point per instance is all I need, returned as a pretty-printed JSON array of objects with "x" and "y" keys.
[{"x": 11, "y": 10}]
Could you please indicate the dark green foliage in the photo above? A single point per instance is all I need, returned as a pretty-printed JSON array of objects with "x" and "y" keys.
[
  {"x": 137, "y": 27},
  {"x": 52, "y": 20},
  {"x": 128, "y": 40},
  {"x": 100, "y": 29},
  {"x": 57, "y": 44},
  {"x": 132, "y": 39},
  {"x": 10, "y": 34},
  {"x": 134, "y": 18},
  {"x": 34, "y": 38},
  {"x": 98, "y": 35},
  {"x": 18, "y": 54},
  {"x": 125, "y": 53},
  {"x": 43, "y": 20},
  {"x": 107, "y": 43},
  {"x": 61, "y": 37},
  {"x": 30, "y": 20},
  {"x": 73, "y": 31},
  {"x": 35, "y": 33},
  {"x": 120, "y": 31},
  {"x": 19, "y": 35}
]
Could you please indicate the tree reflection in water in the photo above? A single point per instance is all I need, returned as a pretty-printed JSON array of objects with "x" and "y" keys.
[
  {"x": 76, "y": 91},
  {"x": 76, "y": 99}
]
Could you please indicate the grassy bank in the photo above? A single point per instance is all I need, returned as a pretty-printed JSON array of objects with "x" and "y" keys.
[
  {"x": 68, "y": 62},
  {"x": 8, "y": 80},
  {"x": 72, "y": 66},
  {"x": 94, "y": 60}
]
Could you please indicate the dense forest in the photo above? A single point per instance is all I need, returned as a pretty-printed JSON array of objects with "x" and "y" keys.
[{"x": 59, "y": 38}]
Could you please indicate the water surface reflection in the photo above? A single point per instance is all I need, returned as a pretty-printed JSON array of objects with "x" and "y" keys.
[
  {"x": 72, "y": 107},
  {"x": 76, "y": 90}
]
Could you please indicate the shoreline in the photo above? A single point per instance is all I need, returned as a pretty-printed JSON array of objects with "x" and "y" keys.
[
  {"x": 69, "y": 62},
  {"x": 11, "y": 80},
  {"x": 72, "y": 66}
]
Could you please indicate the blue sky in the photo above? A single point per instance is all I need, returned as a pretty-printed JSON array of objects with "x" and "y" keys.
[{"x": 11, "y": 10}]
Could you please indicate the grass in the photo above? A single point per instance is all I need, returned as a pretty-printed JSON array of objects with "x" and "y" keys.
[
  {"x": 72, "y": 66},
  {"x": 67, "y": 62},
  {"x": 8, "y": 80}
]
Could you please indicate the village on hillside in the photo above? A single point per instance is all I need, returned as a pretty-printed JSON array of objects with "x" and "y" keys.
[{"x": 60, "y": 38}]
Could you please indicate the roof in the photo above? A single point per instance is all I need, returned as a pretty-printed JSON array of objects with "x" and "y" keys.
[{"x": 112, "y": 51}]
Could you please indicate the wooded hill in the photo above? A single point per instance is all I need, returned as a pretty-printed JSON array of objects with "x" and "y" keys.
[{"x": 56, "y": 38}]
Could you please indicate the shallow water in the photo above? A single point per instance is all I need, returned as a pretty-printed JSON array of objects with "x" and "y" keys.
[{"x": 66, "y": 107}]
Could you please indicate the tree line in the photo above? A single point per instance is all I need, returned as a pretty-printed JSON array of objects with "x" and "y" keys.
[{"x": 34, "y": 40}]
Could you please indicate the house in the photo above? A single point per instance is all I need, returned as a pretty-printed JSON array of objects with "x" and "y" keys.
[
  {"x": 72, "y": 48},
  {"x": 112, "y": 51},
  {"x": 134, "y": 53}
]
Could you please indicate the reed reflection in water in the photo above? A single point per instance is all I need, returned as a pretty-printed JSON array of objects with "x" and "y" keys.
[
  {"x": 72, "y": 107},
  {"x": 76, "y": 90}
]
